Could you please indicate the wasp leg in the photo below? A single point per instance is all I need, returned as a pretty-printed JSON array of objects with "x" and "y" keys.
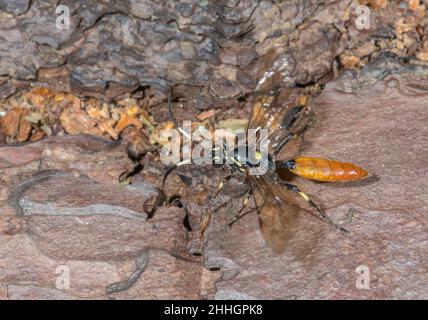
[
  {"x": 247, "y": 194},
  {"x": 322, "y": 213},
  {"x": 292, "y": 135},
  {"x": 172, "y": 169},
  {"x": 203, "y": 226},
  {"x": 174, "y": 121},
  {"x": 240, "y": 215},
  {"x": 221, "y": 184}
]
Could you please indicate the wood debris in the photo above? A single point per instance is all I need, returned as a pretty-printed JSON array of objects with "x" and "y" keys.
[{"x": 41, "y": 112}]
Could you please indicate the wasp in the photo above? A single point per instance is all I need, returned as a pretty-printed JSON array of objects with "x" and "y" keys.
[{"x": 279, "y": 112}]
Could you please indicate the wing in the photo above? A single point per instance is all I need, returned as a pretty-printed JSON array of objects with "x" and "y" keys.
[
  {"x": 278, "y": 216},
  {"x": 279, "y": 112}
]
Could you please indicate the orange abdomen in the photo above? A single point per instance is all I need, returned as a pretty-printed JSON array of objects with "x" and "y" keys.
[{"x": 327, "y": 170}]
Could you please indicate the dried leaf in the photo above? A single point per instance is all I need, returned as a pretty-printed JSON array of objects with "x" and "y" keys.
[
  {"x": 34, "y": 117},
  {"x": 39, "y": 96},
  {"x": 376, "y": 4},
  {"x": 401, "y": 27},
  {"x": 417, "y": 8},
  {"x": 107, "y": 127},
  {"x": 303, "y": 100},
  {"x": 37, "y": 135},
  {"x": 422, "y": 55},
  {"x": 9, "y": 124},
  {"x": 24, "y": 130},
  {"x": 206, "y": 115},
  {"x": 349, "y": 61},
  {"x": 75, "y": 121},
  {"x": 128, "y": 117}
]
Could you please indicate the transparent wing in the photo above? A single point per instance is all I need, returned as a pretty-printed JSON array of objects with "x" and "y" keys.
[
  {"x": 278, "y": 215},
  {"x": 279, "y": 112}
]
